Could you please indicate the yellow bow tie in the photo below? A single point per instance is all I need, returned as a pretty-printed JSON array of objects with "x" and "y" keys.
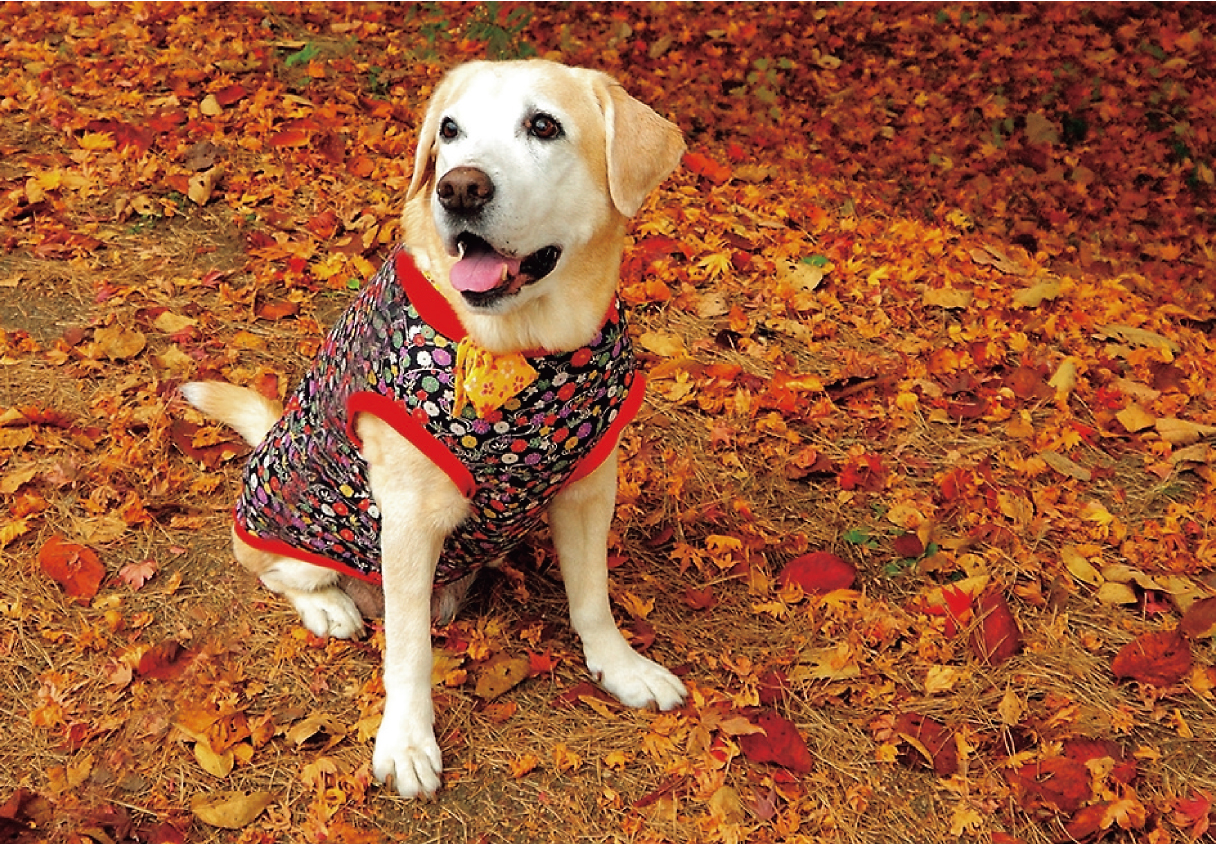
[{"x": 487, "y": 380}]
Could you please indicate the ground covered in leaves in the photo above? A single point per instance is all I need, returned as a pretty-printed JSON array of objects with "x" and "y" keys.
[{"x": 920, "y": 505}]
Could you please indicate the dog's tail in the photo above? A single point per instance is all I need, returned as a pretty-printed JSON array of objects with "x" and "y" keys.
[{"x": 249, "y": 412}]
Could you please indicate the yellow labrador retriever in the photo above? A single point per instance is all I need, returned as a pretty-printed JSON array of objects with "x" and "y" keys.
[{"x": 480, "y": 380}]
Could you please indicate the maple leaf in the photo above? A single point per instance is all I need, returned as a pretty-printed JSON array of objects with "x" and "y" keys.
[{"x": 136, "y": 575}]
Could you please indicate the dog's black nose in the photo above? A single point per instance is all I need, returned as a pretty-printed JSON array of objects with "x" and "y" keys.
[{"x": 464, "y": 190}]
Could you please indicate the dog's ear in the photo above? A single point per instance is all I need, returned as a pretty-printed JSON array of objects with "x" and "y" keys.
[
  {"x": 424, "y": 156},
  {"x": 642, "y": 148}
]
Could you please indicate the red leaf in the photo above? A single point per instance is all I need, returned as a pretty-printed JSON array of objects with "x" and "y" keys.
[
  {"x": 1057, "y": 784},
  {"x": 541, "y": 663},
  {"x": 74, "y": 567},
  {"x": 1199, "y": 621},
  {"x": 997, "y": 637},
  {"x": 818, "y": 572},
  {"x": 1160, "y": 658},
  {"x": 231, "y": 94},
  {"x": 780, "y": 743},
  {"x": 908, "y": 546},
  {"x": 1087, "y": 749},
  {"x": 933, "y": 739}
]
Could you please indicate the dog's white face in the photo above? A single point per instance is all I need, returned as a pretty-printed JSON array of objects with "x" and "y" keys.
[
  {"x": 515, "y": 194},
  {"x": 524, "y": 176}
]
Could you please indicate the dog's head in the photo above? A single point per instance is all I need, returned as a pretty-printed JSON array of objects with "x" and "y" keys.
[{"x": 522, "y": 167}]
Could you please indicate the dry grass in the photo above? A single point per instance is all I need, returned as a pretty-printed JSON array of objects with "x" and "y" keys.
[{"x": 91, "y": 738}]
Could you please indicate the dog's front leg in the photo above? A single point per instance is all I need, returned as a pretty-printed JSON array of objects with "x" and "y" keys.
[
  {"x": 580, "y": 518},
  {"x": 419, "y": 506}
]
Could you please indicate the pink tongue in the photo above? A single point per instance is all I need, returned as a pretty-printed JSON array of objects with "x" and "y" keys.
[{"x": 482, "y": 271}]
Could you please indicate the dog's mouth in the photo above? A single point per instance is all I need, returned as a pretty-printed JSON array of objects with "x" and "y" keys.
[{"x": 484, "y": 276}]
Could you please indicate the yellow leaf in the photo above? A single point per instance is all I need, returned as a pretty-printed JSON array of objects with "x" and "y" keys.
[
  {"x": 1135, "y": 418},
  {"x": 230, "y": 809},
  {"x": 941, "y": 678},
  {"x": 96, "y": 141},
  {"x": 1079, "y": 567},
  {"x": 11, "y": 530},
  {"x": 566, "y": 760},
  {"x": 1011, "y": 709},
  {"x": 662, "y": 343},
  {"x": 716, "y": 264},
  {"x": 950, "y": 298},
  {"x": 216, "y": 764},
  {"x": 1033, "y": 296}
]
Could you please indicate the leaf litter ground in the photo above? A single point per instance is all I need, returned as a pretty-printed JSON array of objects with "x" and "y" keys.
[{"x": 931, "y": 300}]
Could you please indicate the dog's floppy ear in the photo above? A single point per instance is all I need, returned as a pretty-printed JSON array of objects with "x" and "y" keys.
[{"x": 643, "y": 148}]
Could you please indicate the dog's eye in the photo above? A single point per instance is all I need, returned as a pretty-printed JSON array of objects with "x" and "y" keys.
[
  {"x": 544, "y": 126},
  {"x": 448, "y": 129}
]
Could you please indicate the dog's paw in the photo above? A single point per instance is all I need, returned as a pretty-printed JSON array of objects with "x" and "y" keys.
[
  {"x": 328, "y": 612},
  {"x": 410, "y": 764},
  {"x": 637, "y": 681}
]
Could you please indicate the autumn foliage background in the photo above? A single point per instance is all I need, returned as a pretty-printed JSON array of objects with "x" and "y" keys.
[{"x": 920, "y": 504}]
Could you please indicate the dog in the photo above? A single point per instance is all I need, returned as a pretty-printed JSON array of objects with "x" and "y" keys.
[{"x": 480, "y": 380}]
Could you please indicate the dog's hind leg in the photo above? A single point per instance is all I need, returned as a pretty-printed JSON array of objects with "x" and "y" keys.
[{"x": 324, "y": 608}]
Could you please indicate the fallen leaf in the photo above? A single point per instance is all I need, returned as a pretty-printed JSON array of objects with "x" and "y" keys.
[
  {"x": 997, "y": 637},
  {"x": 818, "y": 572},
  {"x": 933, "y": 742},
  {"x": 1160, "y": 658},
  {"x": 1057, "y": 783},
  {"x": 74, "y": 567},
  {"x": 780, "y": 743},
  {"x": 1033, "y": 296},
  {"x": 118, "y": 343},
  {"x": 1134, "y": 418},
  {"x": 1181, "y": 431},
  {"x": 500, "y": 675},
  {"x": 949, "y": 298},
  {"x": 230, "y": 809},
  {"x": 1199, "y": 621},
  {"x": 136, "y": 575}
]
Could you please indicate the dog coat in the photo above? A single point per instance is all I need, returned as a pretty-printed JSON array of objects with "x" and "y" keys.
[{"x": 393, "y": 354}]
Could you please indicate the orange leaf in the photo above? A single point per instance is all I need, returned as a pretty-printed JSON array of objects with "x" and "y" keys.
[
  {"x": 74, "y": 567},
  {"x": 289, "y": 138},
  {"x": 1160, "y": 658},
  {"x": 705, "y": 166},
  {"x": 277, "y": 310}
]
